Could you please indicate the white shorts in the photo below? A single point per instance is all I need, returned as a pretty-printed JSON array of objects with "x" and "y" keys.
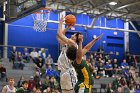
[{"x": 68, "y": 79}]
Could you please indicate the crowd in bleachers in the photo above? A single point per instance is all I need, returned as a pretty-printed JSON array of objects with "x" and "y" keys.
[
  {"x": 47, "y": 77},
  {"x": 125, "y": 72}
]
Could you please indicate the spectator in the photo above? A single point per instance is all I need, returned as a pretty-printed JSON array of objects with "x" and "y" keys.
[
  {"x": 42, "y": 54},
  {"x": 34, "y": 55},
  {"x": 99, "y": 61},
  {"x": 119, "y": 90},
  {"x": 38, "y": 91},
  {"x": 115, "y": 63},
  {"x": 100, "y": 57},
  {"x": 19, "y": 84},
  {"x": 39, "y": 63},
  {"x": 137, "y": 90},
  {"x": 49, "y": 71},
  {"x": 108, "y": 69},
  {"x": 34, "y": 89},
  {"x": 109, "y": 88},
  {"x": 125, "y": 89},
  {"x": 136, "y": 60},
  {"x": 10, "y": 87},
  {"x": 132, "y": 89},
  {"x": 130, "y": 78},
  {"x": 94, "y": 67},
  {"x": 2, "y": 71},
  {"x": 31, "y": 83},
  {"x": 41, "y": 86},
  {"x": 52, "y": 83},
  {"x": 116, "y": 68},
  {"x": 46, "y": 80},
  {"x": 37, "y": 78},
  {"x": 101, "y": 69},
  {"x": 123, "y": 81},
  {"x": 24, "y": 88},
  {"x": 57, "y": 73},
  {"x": 125, "y": 68},
  {"x": 49, "y": 60},
  {"x": 106, "y": 57},
  {"x": 19, "y": 59},
  {"x": 93, "y": 63},
  {"x": 88, "y": 62},
  {"x": 56, "y": 90},
  {"x": 26, "y": 55},
  {"x": 14, "y": 54},
  {"x": 124, "y": 64},
  {"x": 47, "y": 90},
  {"x": 137, "y": 78},
  {"x": 116, "y": 83},
  {"x": 130, "y": 60},
  {"x": 95, "y": 56}
]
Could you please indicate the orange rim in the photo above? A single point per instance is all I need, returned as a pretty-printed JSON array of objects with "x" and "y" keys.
[
  {"x": 43, "y": 8},
  {"x": 41, "y": 12}
]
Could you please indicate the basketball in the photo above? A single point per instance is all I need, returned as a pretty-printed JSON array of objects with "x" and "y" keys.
[{"x": 70, "y": 19}]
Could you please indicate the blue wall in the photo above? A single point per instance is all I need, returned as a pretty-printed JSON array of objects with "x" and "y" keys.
[
  {"x": 134, "y": 40},
  {"x": 26, "y": 36},
  {"x": 114, "y": 43}
]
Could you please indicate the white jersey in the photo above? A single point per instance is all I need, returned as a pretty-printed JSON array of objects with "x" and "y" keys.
[
  {"x": 68, "y": 77},
  {"x": 8, "y": 90}
]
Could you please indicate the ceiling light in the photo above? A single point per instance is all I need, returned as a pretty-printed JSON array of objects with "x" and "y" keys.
[{"x": 113, "y": 3}]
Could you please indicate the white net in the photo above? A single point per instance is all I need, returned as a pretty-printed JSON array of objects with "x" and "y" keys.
[
  {"x": 40, "y": 20},
  {"x": 40, "y": 25}
]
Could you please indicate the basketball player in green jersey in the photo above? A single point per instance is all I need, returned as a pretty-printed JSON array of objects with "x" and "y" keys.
[{"x": 84, "y": 83}]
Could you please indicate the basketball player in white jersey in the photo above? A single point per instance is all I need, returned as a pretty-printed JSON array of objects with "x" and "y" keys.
[
  {"x": 71, "y": 42},
  {"x": 10, "y": 87},
  {"x": 68, "y": 77}
]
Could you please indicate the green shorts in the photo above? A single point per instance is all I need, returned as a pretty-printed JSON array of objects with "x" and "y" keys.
[{"x": 81, "y": 88}]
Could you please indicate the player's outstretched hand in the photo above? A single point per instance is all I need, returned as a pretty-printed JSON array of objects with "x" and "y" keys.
[
  {"x": 69, "y": 26},
  {"x": 98, "y": 37}
]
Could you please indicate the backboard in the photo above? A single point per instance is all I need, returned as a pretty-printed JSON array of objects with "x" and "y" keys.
[{"x": 17, "y": 9}]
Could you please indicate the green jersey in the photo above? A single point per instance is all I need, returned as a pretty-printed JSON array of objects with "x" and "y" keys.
[{"x": 83, "y": 73}]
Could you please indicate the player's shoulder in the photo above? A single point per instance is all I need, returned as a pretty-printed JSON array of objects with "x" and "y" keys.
[{"x": 81, "y": 65}]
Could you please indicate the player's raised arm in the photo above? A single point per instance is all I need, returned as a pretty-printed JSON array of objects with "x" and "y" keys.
[
  {"x": 60, "y": 35},
  {"x": 64, "y": 32},
  {"x": 90, "y": 44},
  {"x": 79, "y": 50}
]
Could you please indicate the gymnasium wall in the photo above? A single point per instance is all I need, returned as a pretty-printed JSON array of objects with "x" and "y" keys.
[
  {"x": 114, "y": 42},
  {"x": 21, "y": 33},
  {"x": 134, "y": 40},
  {"x": 24, "y": 35}
]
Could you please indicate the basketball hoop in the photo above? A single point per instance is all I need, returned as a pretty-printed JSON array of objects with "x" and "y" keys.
[{"x": 40, "y": 19}]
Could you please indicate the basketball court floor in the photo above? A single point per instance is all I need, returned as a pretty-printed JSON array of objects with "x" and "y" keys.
[{"x": 34, "y": 24}]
